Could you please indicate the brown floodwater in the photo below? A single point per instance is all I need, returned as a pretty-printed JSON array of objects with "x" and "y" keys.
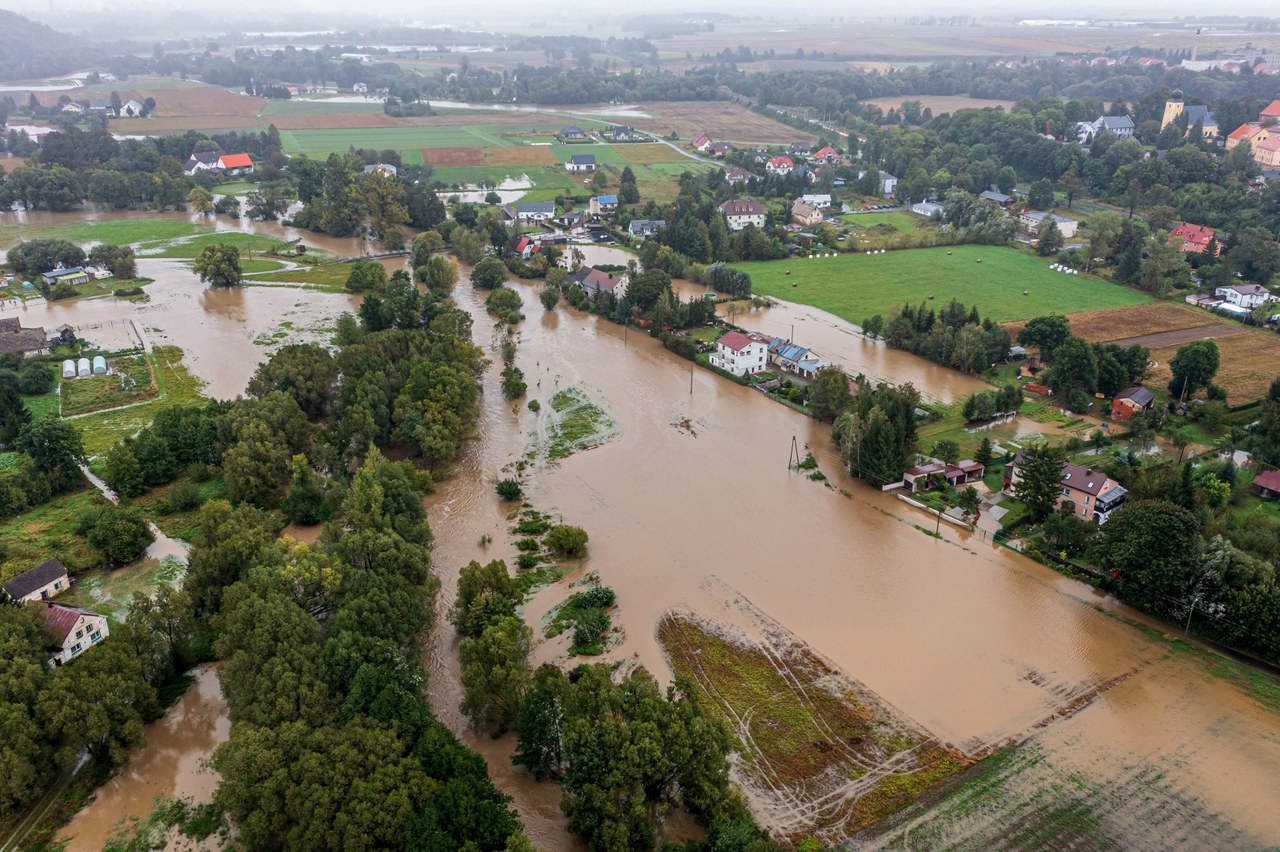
[
  {"x": 170, "y": 764},
  {"x": 979, "y": 645}
]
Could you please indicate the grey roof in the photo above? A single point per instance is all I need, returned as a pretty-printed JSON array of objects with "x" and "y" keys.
[
  {"x": 535, "y": 207},
  {"x": 572, "y": 130},
  {"x": 992, "y": 195},
  {"x": 37, "y": 578},
  {"x": 583, "y": 159},
  {"x": 1198, "y": 113},
  {"x": 1139, "y": 394},
  {"x": 1115, "y": 122}
]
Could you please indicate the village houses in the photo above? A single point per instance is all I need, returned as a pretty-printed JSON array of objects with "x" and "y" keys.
[
  {"x": 741, "y": 212},
  {"x": 1194, "y": 238},
  {"x": 71, "y": 630},
  {"x": 1245, "y": 296},
  {"x": 779, "y": 165},
  {"x": 529, "y": 212},
  {"x": 42, "y": 582},
  {"x": 581, "y": 163},
  {"x": 603, "y": 205},
  {"x": 805, "y": 214},
  {"x": 740, "y": 354},
  {"x": 1091, "y": 494}
]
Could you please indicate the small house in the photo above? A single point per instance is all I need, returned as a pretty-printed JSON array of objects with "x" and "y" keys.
[
  {"x": 66, "y": 275},
  {"x": 821, "y": 200},
  {"x": 572, "y": 131},
  {"x": 700, "y": 142},
  {"x": 42, "y": 582},
  {"x": 595, "y": 281},
  {"x": 532, "y": 212},
  {"x": 800, "y": 149},
  {"x": 132, "y": 108},
  {"x": 740, "y": 354},
  {"x": 1032, "y": 220},
  {"x": 1130, "y": 401},
  {"x": 15, "y": 338},
  {"x": 1090, "y": 494},
  {"x": 603, "y": 205},
  {"x": 1194, "y": 238},
  {"x": 826, "y": 154},
  {"x": 69, "y": 369},
  {"x": 735, "y": 175},
  {"x": 644, "y": 228},
  {"x": 236, "y": 164},
  {"x": 719, "y": 149},
  {"x": 385, "y": 169},
  {"x": 581, "y": 163},
  {"x": 202, "y": 161},
  {"x": 779, "y": 165},
  {"x": 805, "y": 215},
  {"x": 99, "y": 365},
  {"x": 84, "y": 368},
  {"x": 993, "y": 197},
  {"x": 1267, "y": 484},
  {"x": 1246, "y": 296},
  {"x": 888, "y": 183},
  {"x": 71, "y": 630}
]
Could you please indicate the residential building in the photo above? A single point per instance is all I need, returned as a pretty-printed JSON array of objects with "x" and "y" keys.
[
  {"x": 71, "y": 276},
  {"x": 572, "y": 132},
  {"x": 1200, "y": 300},
  {"x": 888, "y": 183},
  {"x": 1091, "y": 494},
  {"x": 534, "y": 212},
  {"x": 73, "y": 107},
  {"x": 734, "y": 175},
  {"x": 805, "y": 214},
  {"x": 779, "y": 165},
  {"x": 1267, "y": 153},
  {"x": 928, "y": 209},
  {"x": 644, "y": 228},
  {"x": 594, "y": 282},
  {"x": 741, "y": 212},
  {"x": 1031, "y": 220},
  {"x": 1120, "y": 125},
  {"x": 700, "y": 142},
  {"x": 820, "y": 200},
  {"x": 1268, "y": 484},
  {"x": 15, "y": 338},
  {"x": 925, "y": 476},
  {"x": 132, "y": 108},
  {"x": 603, "y": 205},
  {"x": 102, "y": 106},
  {"x": 620, "y": 133},
  {"x": 71, "y": 630},
  {"x": 826, "y": 154},
  {"x": 386, "y": 169},
  {"x": 786, "y": 355},
  {"x": 719, "y": 149},
  {"x": 42, "y": 582},
  {"x": 994, "y": 197},
  {"x": 1195, "y": 114},
  {"x": 1247, "y": 296},
  {"x": 524, "y": 246},
  {"x": 1130, "y": 401},
  {"x": 740, "y": 354},
  {"x": 1271, "y": 112},
  {"x": 1194, "y": 238},
  {"x": 236, "y": 164},
  {"x": 799, "y": 149},
  {"x": 1251, "y": 132},
  {"x": 202, "y": 161},
  {"x": 809, "y": 367},
  {"x": 581, "y": 163}
]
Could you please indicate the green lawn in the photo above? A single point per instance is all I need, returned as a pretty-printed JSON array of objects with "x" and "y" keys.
[
  {"x": 328, "y": 276},
  {"x": 897, "y": 221},
  {"x": 856, "y": 286},
  {"x": 46, "y": 531},
  {"x": 115, "y": 231},
  {"x": 245, "y": 242}
]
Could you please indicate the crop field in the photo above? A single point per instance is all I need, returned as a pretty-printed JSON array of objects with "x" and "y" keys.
[
  {"x": 1250, "y": 361},
  {"x": 453, "y": 156},
  {"x": 1116, "y": 324},
  {"x": 822, "y": 754},
  {"x": 1003, "y": 283},
  {"x": 128, "y": 382},
  {"x": 193, "y": 106},
  {"x": 721, "y": 120},
  {"x": 518, "y": 155},
  {"x": 645, "y": 153}
]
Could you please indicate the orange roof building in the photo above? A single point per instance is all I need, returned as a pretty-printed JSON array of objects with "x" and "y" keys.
[
  {"x": 1271, "y": 110},
  {"x": 235, "y": 161},
  {"x": 1251, "y": 132},
  {"x": 1194, "y": 238}
]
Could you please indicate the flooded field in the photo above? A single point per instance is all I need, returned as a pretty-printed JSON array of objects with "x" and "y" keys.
[
  {"x": 977, "y": 646},
  {"x": 171, "y": 764}
]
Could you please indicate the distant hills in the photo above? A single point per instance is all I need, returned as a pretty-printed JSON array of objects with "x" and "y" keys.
[{"x": 29, "y": 50}]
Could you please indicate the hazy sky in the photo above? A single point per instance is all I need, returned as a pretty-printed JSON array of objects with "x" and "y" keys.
[{"x": 547, "y": 16}]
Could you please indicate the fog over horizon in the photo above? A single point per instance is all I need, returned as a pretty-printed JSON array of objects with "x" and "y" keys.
[{"x": 150, "y": 19}]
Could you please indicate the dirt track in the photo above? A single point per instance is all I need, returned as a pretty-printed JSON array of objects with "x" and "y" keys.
[{"x": 1182, "y": 335}]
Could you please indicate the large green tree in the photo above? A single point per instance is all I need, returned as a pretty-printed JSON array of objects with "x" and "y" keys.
[
  {"x": 1039, "y": 479},
  {"x": 218, "y": 264},
  {"x": 1194, "y": 366},
  {"x": 496, "y": 673}
]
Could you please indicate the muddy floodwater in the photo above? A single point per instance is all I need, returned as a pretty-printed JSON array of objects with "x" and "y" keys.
[
  {"x": 978, "y": 645},
  {"x": 171, "y": 764}
]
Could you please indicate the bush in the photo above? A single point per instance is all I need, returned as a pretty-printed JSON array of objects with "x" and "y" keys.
[
  {"x": 589, "y": 631},
  {"x": 527, "y": 561},
  {"x": 567, "y": 540},
  {"x": 184, "y": 496},
  {"x": 510, "y": 489},
  {"x": 599, "y": 597},
  {"x": 120, "y": 534},
  {"x": 35, "y": 380},
  {"x": 528, "y": 545},
  {"x": 535, "y": 406}
]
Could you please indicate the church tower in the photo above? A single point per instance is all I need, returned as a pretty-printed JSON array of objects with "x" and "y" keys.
[{"x": 1172, "y": 109}]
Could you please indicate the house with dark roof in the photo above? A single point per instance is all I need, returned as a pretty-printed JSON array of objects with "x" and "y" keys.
[
  {"x": 532, "y": 212},
  {"x": 581, "y": 163},
  {"x": 741, "y": 212},
  {"x": 644, "y": 228},
  {"x": 1130, "y": 401},
  {"x": 1120, "y": 125},
  {"x": 1246, "y": 296},
  {"x": 202, "y": 161},
  {"x": 799, "y": 148},
  {"x": 69, "y": 275},
  {"x": 733, "y": 175},
  {"x": 1032, "y": 220},
  {"x": 70, "y": 630},
  {"x": 924, "y": 476},
  {"x": 996, "y": 198},
  {"x": 572, "y": 131},
  {"x": 595, "y": 281},
  {"x": 382, "y": 169},
  {"x": 1091, "y": 494},
  {"x": 15, "y": 338},
  {"x": 42, "y": 582}
]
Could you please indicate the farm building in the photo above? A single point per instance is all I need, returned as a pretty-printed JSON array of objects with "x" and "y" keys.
[
  {"x": 15, "y": 338},
  {"x": 1130, "y": 401},
  {"x": 1268, "y": 484},
  {"x": 99, "y": 365},
  {"x": 1032, "y": 219},
  {"x": 84, "y": 368}
]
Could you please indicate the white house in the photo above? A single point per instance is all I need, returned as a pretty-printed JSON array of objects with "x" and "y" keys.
[
  {"x": 1247, "y": 296},
  {"x": 928, "y": 209},
  {"x": 202, "y": 161},
  {"x": 701, "y": 142},
  {"x": 1120, "y": 125},
  {"x": 888, "y": 183},
  {"x": 820, "y": 200},
  {"x": 526, "y": 212},
  {"x": 603, "y": 205},
  {"x": 1032, "y": 220},
  {"x": 581, "y": 163},
  {"x": 740, "y": 354},
  {"x": 741, "y": 212},
  {"x": 779, "y": 165},
  {"x": 41, "y": 582},
  {"x": 72, "y": 630},
  {"x": 132, "y": 108}
]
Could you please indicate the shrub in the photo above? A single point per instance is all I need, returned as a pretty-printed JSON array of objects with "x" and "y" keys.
[
  {"x": 589, "y": 631},
  {"x": 510, "y": 489},
  {"x": 35, "y": 380},
  {"x": 600, "y": 597},
  {"x": 528, "y": 544},
  {"x": 535, "y": 406},
  {"x": 184, "y": 496},
  {"x": 528, "y": 561},
  {"x": 120, "y": 534},
  {"x": 567, "y": 540}
]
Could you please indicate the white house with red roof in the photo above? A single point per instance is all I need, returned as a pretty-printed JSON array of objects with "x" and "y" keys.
[
  {"x": 72, "y": 630},
  {"x": 826, "y": 154},
  {"x": 236, "y": 164},
  {"x": 780, "y": 165},
  {"x": 741, "y": 354},
  {"x": 701, "y": 142}
]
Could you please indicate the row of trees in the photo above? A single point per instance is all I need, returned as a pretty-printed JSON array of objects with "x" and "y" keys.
[{"x": 955, "y": 336}]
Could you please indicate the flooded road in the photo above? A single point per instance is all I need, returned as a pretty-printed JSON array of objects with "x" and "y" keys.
[
  {"x": 170, "y": 764},
  {"x": 980, "y": 646}
]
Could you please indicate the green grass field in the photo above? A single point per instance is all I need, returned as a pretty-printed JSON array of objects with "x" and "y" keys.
[
  {"x": 854, "y": 287},
  {"x": 897, "y": 221},
  {"x": 245, "y": 242},
  {"x": 115, "y": 231},
  {"x": 45, "y": 531},
  {"x": 329, "y": 276}
]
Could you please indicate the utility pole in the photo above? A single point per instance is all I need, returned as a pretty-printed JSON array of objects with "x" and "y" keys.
[
  {"x": 690, "y": 378},
  {"x": 793, "y": 461}
]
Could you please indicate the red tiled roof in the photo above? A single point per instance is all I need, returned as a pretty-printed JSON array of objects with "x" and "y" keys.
[
  {"x": 781, "y": 161},
  {"x": 60, "y": 620},
  {"x": 1271, "y": 143},
  {"x": 1268, "y": 479},
  {"x": 236, "y": 161},
  {"x": 1272, "y": 110},
  {"x": 1244, "y": 131},
  {"x": 1192, "y": 234},
  {"x": 736, "y": 341}
]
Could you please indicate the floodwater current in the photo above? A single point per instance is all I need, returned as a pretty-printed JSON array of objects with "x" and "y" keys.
[{"x": 692, "y": 507}]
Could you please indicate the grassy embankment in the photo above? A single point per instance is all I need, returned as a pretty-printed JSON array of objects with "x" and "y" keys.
[{"x": 857, "y": 286}]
